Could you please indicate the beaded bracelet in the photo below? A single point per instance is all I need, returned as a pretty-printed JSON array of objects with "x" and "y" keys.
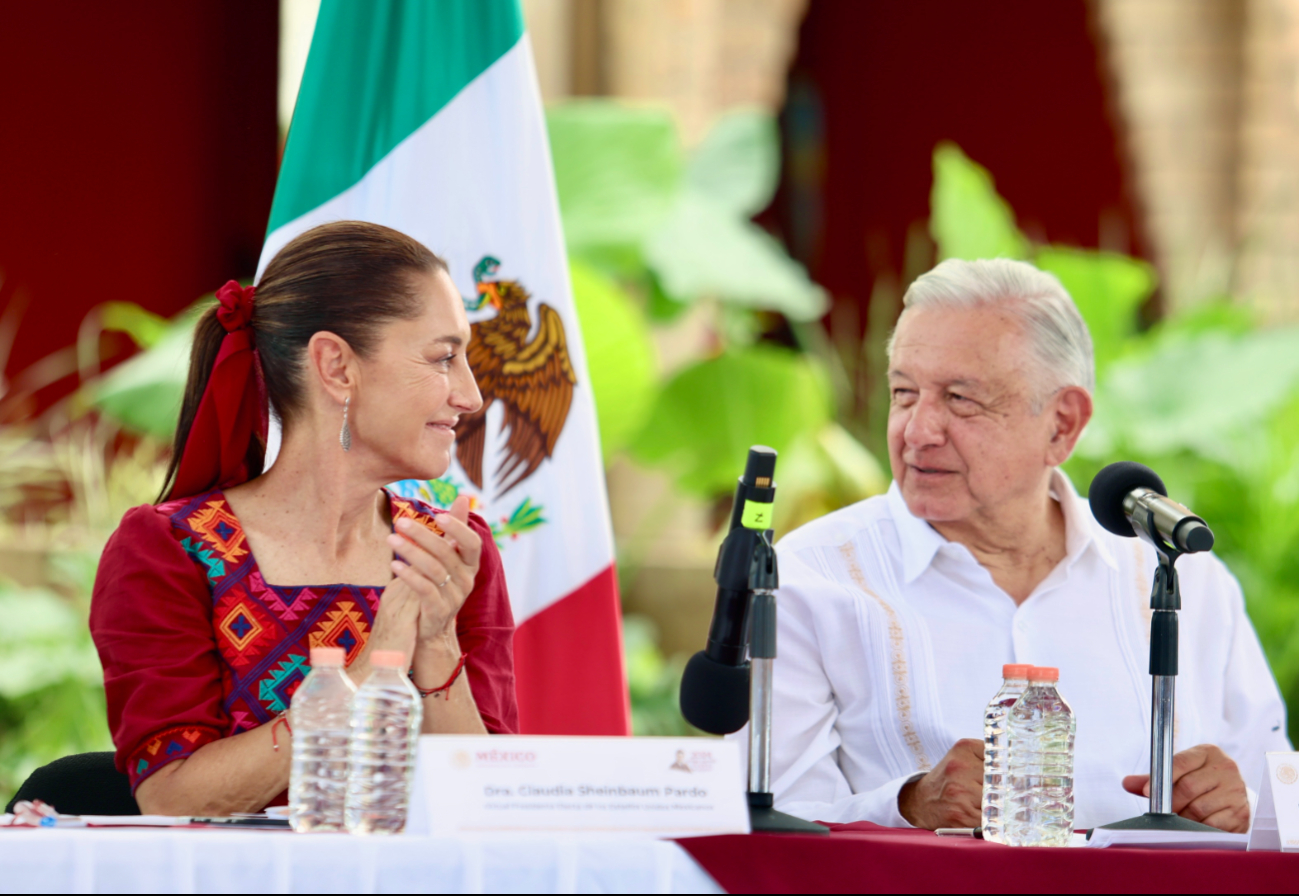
[{"x": 446, "y": 688}]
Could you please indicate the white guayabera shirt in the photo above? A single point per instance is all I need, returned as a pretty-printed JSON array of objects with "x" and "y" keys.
[{"x": 892, "y": 639}]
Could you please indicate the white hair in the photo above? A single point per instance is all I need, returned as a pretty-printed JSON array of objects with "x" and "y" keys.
[{"x": 1058, "y": 340}]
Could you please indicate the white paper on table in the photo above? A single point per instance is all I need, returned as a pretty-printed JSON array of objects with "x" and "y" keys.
[
  {"x": 102, "y": 821},
  {"x": 1276, "y": 819},
  {"x": 1103, "y": 837},
  {"x": 133, "y": 821}
]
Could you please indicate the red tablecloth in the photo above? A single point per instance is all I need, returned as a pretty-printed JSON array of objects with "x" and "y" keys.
[{"x": 867, "y": 858}]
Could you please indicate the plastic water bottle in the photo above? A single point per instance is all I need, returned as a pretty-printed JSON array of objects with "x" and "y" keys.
[
  {"x": 320, "y": 715},
  {"x": 1042, "y": 729},
  {"x": 386, "y": 716},
  {"x": 996, "y": 749}
]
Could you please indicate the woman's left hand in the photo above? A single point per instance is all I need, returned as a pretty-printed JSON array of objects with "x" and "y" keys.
[{"x": 441, "y": 569}]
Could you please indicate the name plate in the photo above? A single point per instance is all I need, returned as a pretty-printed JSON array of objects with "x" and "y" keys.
[
  {"x": 662, "y": 786},
  {"x": 1276, "y": 819}
]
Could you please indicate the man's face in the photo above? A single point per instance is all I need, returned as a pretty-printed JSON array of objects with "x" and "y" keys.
[{"x": 963, "y": 440}]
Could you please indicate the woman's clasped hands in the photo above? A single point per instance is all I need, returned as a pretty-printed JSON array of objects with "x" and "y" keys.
[{"x": 433, "y": 576}]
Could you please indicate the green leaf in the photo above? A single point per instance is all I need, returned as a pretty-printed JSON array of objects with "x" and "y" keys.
[
  {"x": 526, "y": 517},
  {"x": 660, "y": 307},
  {"x": 438, "y": 492},
  {"x": 44, "y": 641},
  {"x": 653, "y": 681},
  {"x": 144, "y": 327},
  {"x": 1108, "y": 290},
  {"x": 144, "y": 393},
  {"x": 823, "y": 471},
  {"x": 620, "y": 356},
  {"x": 34, "y": 616},
  {"x": 967, "y": 218},
  {"x": 710, "y": 413},
  {"x": 617, "y": 170},
  {"x": 738, "y": 163},
  {"x": 703, "y": 251},
  {"x": 1206, "y": 393},
  {"x": 1221, "y": 315}
]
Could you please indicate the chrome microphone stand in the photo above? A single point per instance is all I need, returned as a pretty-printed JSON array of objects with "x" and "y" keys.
[
  {"x": 763, "y": 581},
  {"x": 1165, "y": 601}
]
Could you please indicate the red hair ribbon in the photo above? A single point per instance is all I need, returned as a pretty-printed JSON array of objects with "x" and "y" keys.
[{"x": 233, "y": 409}]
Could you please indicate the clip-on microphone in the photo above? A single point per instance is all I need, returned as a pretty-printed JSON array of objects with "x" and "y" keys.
[{"x": 729, "y": 682}]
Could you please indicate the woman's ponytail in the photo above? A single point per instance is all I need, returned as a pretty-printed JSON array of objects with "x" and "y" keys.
[{"x": 208, "y": 336}]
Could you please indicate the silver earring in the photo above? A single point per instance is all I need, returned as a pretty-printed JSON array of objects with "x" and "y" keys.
[{"x": 345, "y": 434}]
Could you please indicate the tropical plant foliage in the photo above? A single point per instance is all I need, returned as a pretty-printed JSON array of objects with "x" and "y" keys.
[
  {"x": 653, "y": 232},
  {"x": 61, "y": 495},
  {"x": 51, "y": 686}
]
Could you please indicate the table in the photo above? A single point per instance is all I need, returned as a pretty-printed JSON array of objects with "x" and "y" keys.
[
  {"x": 866, "y": 858},
  {"x": 230, "y": 861},
  {"x": 859, "y": 857}
]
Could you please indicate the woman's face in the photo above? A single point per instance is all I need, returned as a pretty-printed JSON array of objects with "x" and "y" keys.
[{"x": 415, "y": 385}]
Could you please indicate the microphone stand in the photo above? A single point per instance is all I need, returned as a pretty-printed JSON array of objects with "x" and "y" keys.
[
  {"x": 763, "y": 581},
  {"x": 1165, "y": 601}
]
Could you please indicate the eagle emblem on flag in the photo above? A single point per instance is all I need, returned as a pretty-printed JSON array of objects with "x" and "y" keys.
[{"x": 528, "y": 373}]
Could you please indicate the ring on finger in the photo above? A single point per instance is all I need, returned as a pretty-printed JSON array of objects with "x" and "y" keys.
[{"x": 443, "y": 583}]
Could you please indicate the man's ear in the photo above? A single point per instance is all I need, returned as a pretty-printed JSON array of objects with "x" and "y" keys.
[
  {"x": 1071, "y": 409},
  {"x": 333, "y": 363}
]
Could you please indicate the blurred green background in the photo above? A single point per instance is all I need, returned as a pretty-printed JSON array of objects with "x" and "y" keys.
[{"x": 703, "y": 337}]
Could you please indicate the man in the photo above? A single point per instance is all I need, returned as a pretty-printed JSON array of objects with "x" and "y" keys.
[{"x": 897, "y": 613}]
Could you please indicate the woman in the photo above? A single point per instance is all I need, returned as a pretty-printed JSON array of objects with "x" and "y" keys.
[{"x": 206, "y": 606}]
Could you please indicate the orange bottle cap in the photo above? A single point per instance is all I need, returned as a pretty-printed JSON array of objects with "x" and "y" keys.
[
  {"x": 393, "y": 659},
  {"x": 1043, "y": 673},
  {"x": 1015, "y": 670},
  {"x": 327, "y": 656}
]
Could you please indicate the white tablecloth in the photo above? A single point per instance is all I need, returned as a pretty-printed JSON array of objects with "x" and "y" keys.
[{"x": 228, "y": 861}]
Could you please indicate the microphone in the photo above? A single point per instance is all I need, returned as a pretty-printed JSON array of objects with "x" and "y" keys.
[
  {"x": 1130, "y": 500},
  {"x": 715, "y": 683}
]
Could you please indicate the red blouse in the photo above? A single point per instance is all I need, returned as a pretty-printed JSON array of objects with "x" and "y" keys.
[{"x": 196, "y": 646}]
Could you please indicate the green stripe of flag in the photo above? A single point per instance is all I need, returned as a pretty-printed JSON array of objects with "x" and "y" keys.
[{"x": 378, "y": 69}]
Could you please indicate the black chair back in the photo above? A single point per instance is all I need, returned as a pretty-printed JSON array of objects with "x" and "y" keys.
[{"x": 84, "y": 784}]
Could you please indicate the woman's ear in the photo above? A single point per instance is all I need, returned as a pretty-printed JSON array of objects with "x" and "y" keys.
[{"x": 333, "y": 363}]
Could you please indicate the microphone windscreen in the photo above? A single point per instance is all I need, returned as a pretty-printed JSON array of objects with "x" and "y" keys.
[
  {"x": 1112, "y": 485},
  {"x": 715, "y": 696}
]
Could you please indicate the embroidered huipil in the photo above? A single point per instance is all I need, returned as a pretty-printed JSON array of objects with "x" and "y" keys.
[
  {"x": 892, "y": 639},
  {"x": 196, "y": 646}
]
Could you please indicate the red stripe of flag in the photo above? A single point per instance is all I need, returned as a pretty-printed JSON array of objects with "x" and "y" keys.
[{"x": 568, "y": 664}]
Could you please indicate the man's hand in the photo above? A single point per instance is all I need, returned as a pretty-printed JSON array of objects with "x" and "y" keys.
[
  {"x": 1207, "y": 787},
  {"x": 951, "y": 795}
]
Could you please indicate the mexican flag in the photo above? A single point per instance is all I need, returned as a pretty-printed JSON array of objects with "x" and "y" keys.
[{"x": 425, "y": 116}]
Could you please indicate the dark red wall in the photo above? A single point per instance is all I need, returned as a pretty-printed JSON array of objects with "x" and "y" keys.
[
  {"x": 1018, "y": 84},
  {"x": 138, "y": 152}
]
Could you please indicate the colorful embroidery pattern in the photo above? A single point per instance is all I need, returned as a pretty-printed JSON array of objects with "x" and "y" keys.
[
  {"x": 243, "y": 627},
  {"x": 405, "y": 508},
  {"x": 276, "y": 690},
  {"x": 263, "y": 632},
  {"x": 219, "y": 528},
  {"x": 345, "y": 627},
  {"x": 167, "y": 746}
]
